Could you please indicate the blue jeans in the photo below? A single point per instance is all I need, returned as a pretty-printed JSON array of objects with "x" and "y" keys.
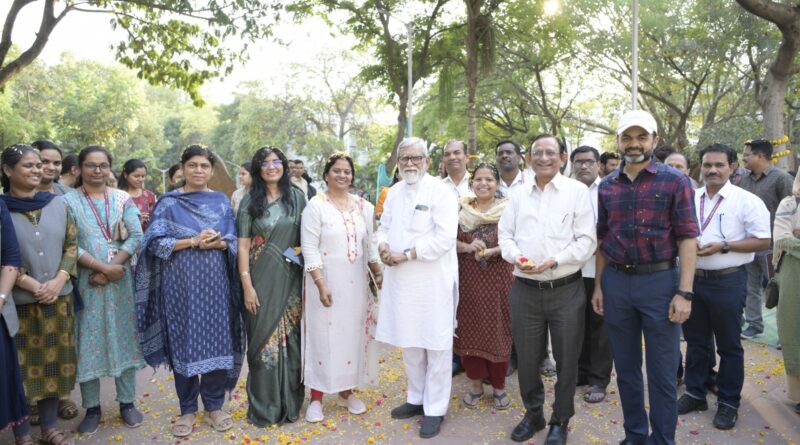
[
  {"x": 636, "y": 305},
  {"x": 211, "y": 388},
  {"x": 716, "y": 313}
]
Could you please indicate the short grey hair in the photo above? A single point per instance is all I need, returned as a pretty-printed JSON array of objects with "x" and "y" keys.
[{"x": 412, "y": 141}]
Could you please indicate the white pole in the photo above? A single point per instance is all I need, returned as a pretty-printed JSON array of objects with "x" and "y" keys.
[
  {"x": 410, "y": 129},
  {"x": 635, "y": 56}
]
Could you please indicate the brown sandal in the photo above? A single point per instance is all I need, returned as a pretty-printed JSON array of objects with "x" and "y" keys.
[
  {"x": 56, "y": 437},
  {"x": 219, "y": 420},
  {"x": 184, "y": 425},
  {"x": 67, "y": 409}
]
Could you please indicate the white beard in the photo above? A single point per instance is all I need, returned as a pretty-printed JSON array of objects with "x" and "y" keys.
[{"x": 411, "y": 177}]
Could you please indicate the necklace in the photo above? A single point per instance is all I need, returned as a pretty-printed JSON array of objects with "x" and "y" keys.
[{"x": 342, "y": 207}]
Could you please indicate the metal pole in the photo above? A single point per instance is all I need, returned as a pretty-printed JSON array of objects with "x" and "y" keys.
[
  {"x": 410, "y": 126},
  {"x": 635, "y": 56}
]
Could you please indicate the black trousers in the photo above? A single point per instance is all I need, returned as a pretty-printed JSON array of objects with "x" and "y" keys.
[{"x": 596, "y": 360}]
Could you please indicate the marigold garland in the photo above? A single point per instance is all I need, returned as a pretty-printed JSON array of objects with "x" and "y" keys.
[{"x": 780, "y": 154}]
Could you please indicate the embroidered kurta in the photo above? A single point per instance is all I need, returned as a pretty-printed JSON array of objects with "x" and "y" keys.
[
  {"x": 419, "y": 297},
  {"x": 107, "y": 341},
  {"x": 339, "y": 352}
]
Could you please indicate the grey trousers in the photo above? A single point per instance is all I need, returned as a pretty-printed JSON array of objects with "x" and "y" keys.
[
  {"x": 533, "y": 312},
  {"x": 757, "y": 272}
]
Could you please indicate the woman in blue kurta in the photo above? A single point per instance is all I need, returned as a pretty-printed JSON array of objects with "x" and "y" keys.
[
  {"x": 109, "y": 233},
  {"x": 188, "y": 302},
  {"x": 13, "y": 406}
]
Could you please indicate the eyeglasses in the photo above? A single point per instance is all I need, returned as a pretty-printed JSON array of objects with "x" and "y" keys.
[
  {"x": 410, "y": 159},
  {"x": 93, "y": 167},
  {"x": 544, "y": 154},
  {"x": 202, "y": 166},
  {"x": 275, "y": 163},
  {"x": 584, "y": 163}
]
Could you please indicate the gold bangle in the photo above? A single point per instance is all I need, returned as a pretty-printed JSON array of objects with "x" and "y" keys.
[
  {"x": 21, "y": 279},
  {"x": 65, "y": 273},
  {"x": 245, "y": 273},
  {"x": 192, "y": 242},
  {"x": 319, "y": 278},
  {"x": 91, "y": 263}
]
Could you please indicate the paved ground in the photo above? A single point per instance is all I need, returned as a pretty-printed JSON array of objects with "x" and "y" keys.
[{"x": 766, "y": 416}]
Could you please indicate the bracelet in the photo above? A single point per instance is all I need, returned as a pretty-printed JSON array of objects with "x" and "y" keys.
[
  {"x": 3, "y": 297},
  {"x": 193, "y": 243},
  {"x": 21, "y": 279},
  {"x": 91, "y": 263},
  {"x": 65, "y": 273},
  {"x": 245, "y": 273},
  {"x": 319, "y": 278}
]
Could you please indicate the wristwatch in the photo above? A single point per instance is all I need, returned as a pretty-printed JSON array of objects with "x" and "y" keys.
[
  {"x": 726, "y": 247},
  {"x": 689, "y": 295},
  {"x": 407, "y": 253}
]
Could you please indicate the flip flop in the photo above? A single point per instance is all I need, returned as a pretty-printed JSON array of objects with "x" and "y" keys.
[
  {"x": 501, "y": 401},
  {"x": 184, "y": 425},
  {"x": 471, "y": 399},
  {"x": 594, "y": 394}
]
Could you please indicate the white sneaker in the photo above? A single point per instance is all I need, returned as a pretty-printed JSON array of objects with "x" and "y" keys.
[
  {"x": 314, "y": 412},
  {"x": 352, "y": 403}
]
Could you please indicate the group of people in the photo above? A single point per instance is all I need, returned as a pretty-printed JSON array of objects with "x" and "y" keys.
[{"x": 500, "y": 267}]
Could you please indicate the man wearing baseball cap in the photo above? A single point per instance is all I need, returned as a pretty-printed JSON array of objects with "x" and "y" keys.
[{"x": 645, "y": 220}]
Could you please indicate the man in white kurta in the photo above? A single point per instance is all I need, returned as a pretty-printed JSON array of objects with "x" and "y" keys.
[{"x": 417, "y": 241}]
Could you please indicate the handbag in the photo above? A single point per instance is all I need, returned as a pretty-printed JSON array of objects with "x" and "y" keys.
[{"x": 772, "y": 292}]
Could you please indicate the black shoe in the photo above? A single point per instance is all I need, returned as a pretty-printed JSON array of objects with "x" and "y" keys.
[
  {"x": 90, "y": 422},
  {"x": 557, "y": 434},
  {"x": 687, "y": 404},
  {"x": 431, "y": 425},
  {"x": 797, "y": 408},
  {"x": 725, "y": 418},
  {"x": 407, "y": 410},
  {"x": 528, "y": 426}
]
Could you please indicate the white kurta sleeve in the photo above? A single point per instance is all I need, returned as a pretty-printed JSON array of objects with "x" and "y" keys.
[
  {"x": 584, "y": 238},
  {"x": 505, "y": 233},
  {"x": 442, "y": 239},
  {"x": 371, "y": 246},
  {"x": 310, "y": 231},
  {"x": 382, "y": 234}
]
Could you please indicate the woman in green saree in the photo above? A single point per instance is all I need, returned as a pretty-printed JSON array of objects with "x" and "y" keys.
[{"x": 269, "y": 223}]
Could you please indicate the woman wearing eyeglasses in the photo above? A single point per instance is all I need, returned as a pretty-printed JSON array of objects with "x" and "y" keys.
[
  {"x": 269, "y": 224},
  {"x": 188, "y": 301},
  {"x": 109, "y": 233}
]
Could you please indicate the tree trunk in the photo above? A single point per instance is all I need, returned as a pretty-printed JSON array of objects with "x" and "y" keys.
[
  {"x": 473, "y": 11},
  {"x": 772, "y": 103}
]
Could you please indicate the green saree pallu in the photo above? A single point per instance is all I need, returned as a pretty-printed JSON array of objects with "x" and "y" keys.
[{"x": 274, "y": 385}]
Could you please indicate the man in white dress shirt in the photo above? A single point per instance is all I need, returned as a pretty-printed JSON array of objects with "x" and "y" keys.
[
  {"x": 734, "y": 224},
  {"x": 548, "y": 232},
  {"x": 417, "y": 241},
  {"x": 454, "y": 158}
]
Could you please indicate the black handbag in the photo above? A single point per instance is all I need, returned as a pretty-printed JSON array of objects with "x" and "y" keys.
[{"x": 771, "y": 292}]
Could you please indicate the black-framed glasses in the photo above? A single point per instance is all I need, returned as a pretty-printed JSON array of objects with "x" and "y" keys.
[
  {"x": 416, "y": 160},
  {"x": 92, "y": 166}
]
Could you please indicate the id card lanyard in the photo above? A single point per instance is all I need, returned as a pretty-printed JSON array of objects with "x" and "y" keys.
[{"x": 105, "y": 228}]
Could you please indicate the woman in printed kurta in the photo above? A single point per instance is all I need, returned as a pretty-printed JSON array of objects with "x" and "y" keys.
[
  {"x": 786, "y": 235},
  {"x": 43, "y": 293},
  {"x": 131, "y": 180},
  {"x": 269, "y": 224},
  {"x": 483, "y": 335},
  {"x": 188, "y": 302},
  {"x": 339, "y": 311},
  {"x": 109, "y": 234}
]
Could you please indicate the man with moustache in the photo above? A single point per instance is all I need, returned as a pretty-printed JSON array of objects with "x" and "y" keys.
[
  {"x": 417, "y": 242},
  {"x": 507, "y": 157},
  {"x": 645, "y": 220},
  {"x": 609, "y": 161},
  {"x": 595, "y": 362},
  {"x": 547, "y": 231},
  {"x": 734, "y": 224},
  {"x": 454, "y": 158},
  {"x": 52, "y": 157}
]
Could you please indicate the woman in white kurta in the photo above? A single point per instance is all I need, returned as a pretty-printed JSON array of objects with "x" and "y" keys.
[{"x": 339, "y": 352}]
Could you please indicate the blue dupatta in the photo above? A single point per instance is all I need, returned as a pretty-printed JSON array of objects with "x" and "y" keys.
[{"x": 178, "y": 216}]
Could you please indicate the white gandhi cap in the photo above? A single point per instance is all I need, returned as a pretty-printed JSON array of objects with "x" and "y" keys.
[{"x": 637, "y": 118}]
